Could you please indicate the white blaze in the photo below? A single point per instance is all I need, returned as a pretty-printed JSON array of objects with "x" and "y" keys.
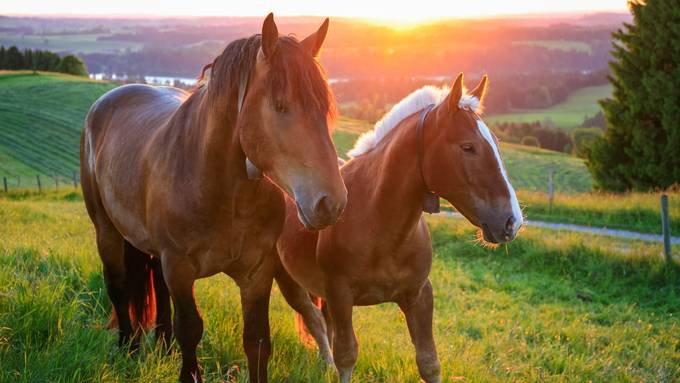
[{"x": 516, "y": 211}]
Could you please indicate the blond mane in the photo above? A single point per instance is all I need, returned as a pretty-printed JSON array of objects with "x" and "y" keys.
[{"x": 413, "y": 103}]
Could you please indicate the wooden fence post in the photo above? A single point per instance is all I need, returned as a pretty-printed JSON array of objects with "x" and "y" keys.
[
  {"x": 4, "y": 182},
  {"x": 551, "y": 189},
  {"x": 39, "y": 185},
  {"x": 665, "y": 229},
  {"x": 75, "y": 180},
  {"x": 56, "y": 182}
]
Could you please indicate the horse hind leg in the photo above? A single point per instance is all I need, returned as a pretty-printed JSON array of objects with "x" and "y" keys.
[
  {"x": 307, "y": 311},
  {"x": 163, "y": 307},
  {"x": 110, "y": 245}
]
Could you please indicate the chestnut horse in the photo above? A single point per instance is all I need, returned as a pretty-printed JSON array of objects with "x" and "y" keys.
[
  {"x": 433, "y": 143},
  {"x": 165, "y": 176}
]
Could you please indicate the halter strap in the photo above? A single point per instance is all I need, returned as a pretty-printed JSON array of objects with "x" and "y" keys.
[
  {"x": 430, "y": 198},
  {"x": 252, "y": 171}
]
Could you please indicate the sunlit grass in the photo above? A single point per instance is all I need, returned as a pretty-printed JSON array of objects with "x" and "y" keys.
[
  {"x": 631, "y": 211},
  {"x": 547, "y": 307}
]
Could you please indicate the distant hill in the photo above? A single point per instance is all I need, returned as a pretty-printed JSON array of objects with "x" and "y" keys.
[
  {"x": 566, "y": 115},
  {"x": 41, "y": 117}
]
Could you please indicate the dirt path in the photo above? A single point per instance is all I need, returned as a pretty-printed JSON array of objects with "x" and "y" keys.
[{"x": 587, "y": 229}]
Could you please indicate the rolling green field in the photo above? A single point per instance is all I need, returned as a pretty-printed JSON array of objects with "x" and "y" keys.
[
  {"x": 77, "y": 43},
  {"x": 567, "y": 115},
  {"x": 550, "y": 306},
  {"x": 562, "y": 45},
  {"x": 41, "y": 117}
]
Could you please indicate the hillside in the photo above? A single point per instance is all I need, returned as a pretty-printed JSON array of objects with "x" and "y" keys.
[
  {"x": 41, "y": 117},
  {"x": 567, "y": 115}
]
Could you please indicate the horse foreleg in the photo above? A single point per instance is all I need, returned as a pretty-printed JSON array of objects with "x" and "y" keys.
[
  {"x": 256, "y": 337},
  {"x": 299, "y": 300},
  {"x": 345, "y": 345},
  {"x": 179, "y": 276},
  {"x": 418, "y": 312}
]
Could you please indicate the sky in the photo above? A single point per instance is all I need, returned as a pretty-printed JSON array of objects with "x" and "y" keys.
[{"x": 395, "y": 10}]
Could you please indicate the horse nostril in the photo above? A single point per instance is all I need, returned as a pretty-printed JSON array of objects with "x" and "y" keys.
[
  {"x": 322, "y": 207},
  {"x": 510, "y": 226}
]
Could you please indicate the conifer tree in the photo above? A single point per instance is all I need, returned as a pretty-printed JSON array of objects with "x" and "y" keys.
[{"x": 640, "y": 149}]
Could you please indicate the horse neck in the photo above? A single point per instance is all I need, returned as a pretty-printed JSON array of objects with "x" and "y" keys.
[
  {"x": 209, "y": 133},
  {"x": 398, "y": 185}
]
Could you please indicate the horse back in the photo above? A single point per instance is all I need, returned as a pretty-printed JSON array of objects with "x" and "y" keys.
[{"x": 117, "y": 130}]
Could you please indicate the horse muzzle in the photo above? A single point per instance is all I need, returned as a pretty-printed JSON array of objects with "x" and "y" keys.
[
  {"x": 321, "y": 211},
  {"x": 502, "y": 230}
]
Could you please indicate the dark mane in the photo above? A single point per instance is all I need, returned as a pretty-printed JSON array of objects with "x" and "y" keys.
[{"x": 290, "y": 66}]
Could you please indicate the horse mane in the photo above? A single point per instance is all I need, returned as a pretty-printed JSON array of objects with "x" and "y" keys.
[
  {"x": 413, "y": 103},
  {"x": 290, "y": 67}
]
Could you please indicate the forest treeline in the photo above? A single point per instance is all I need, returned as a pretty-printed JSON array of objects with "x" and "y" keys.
[{"x": 13, "y": 58}]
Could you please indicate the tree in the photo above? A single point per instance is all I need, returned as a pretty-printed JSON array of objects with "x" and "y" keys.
[
  {"x": 14, "y": 59},
  {"x": 2, "y": 57},
  {"x": 583, "y": 139},
  {"x": 73, "y": 65},
  {"x": 530, "y": 141},
  {"x": 639, "y": 149}
]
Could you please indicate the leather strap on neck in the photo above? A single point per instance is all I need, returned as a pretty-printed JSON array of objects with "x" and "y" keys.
[
  {"x": 430, "y": 198},
  {"x": 251, "y": 170}
]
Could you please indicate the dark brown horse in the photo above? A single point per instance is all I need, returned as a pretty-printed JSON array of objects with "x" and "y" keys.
[
  {"x": 165, "y": 176},
  {"x": 433, "y": 143}
]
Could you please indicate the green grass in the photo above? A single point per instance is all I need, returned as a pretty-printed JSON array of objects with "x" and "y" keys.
[
  {"x": 77, "y": 43},
  {"x": 632, "y": 211},
  {"x": 562, "y": 45},
  {"x": 567, "y": 115},
  {"x": 42, "y": 116},
  {"x": 550, "y": 306}
]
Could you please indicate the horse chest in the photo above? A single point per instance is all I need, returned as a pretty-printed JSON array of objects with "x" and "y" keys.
[{"x": 390, "y": 280}]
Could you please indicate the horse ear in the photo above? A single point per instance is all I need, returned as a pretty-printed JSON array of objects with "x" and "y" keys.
[
  {"x": 314, "y": 41},
  {"x": 456, "y": 93},
  {"x": 480, "y": 90},
  {"x": 270, "y": 36}
]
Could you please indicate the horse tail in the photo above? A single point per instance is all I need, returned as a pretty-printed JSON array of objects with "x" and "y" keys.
[
  {"x": 303, "y": 332},
  {"x": 139, "y": 274}
]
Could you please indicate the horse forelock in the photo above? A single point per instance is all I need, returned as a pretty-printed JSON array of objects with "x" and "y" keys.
[
  {"x": 290, "y": 67},
  {"x": 413, "y": 103}
]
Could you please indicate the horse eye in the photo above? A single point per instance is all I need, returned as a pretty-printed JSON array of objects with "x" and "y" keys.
[
  {"x": 281, "y": 107},
  {"x": 468, "y": 148}
]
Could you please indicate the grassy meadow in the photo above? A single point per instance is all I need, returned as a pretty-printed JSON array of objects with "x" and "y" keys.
[
  {"x": 42, "y": 117},
  {"x": 43, "y": 114},
  {"x": 550, "y": 306},
  {"x": 632, "y": 211},
  {"x": 77, "y": 43},
  {"x": 561, "y": 45},
  {"x": 566, "y": 115}
]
